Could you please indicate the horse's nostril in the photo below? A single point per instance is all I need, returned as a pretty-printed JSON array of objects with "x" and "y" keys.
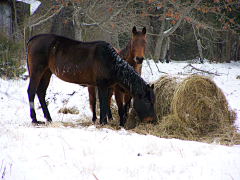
[
  {"x": 139, "y": 60},
  {"x": 148, "y": 119}
]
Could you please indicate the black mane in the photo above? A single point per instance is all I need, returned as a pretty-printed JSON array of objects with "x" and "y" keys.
[
  {"x": 124, "y": 51},
  {"x": 126, "y": 74}
]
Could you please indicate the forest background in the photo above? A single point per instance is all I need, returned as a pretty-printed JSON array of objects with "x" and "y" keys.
[{"x": 176, "y": 29}]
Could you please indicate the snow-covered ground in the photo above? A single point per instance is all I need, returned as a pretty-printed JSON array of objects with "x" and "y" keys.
[{"x": 58, "y": 152}]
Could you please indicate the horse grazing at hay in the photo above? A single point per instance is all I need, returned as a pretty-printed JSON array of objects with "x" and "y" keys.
[
  {"x": 133, "y": 53},
  {"x": 85, "y": 63}
]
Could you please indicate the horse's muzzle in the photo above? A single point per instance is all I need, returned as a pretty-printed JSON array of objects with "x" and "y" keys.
[
  {"x": 139, "y": 60},
  {"x": 147, "y": 119}
]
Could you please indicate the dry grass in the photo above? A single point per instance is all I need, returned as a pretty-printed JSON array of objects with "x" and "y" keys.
[
  {"x": 72, "y": 110},
  {"x": 193, "y": 109}
]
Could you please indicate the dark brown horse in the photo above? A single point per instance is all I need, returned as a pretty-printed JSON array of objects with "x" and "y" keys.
[
  {"x": 85, "y": 63},
  {"x": 133, "y": 53}
]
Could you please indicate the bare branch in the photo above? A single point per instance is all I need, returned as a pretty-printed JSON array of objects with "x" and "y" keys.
[
  {"x": 201, "y": 70},
  {"x": 115, "y": 13},
  {"x": 49, "y": 17}
]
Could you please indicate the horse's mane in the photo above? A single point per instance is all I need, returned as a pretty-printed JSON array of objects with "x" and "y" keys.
[
  {"x": 126, "y": 74},
  {"x": 124, "y": 51}
]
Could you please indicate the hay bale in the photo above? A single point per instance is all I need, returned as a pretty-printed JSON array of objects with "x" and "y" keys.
[
  {"x": 164, "y": 89},
  {"x": 192, "y": 109},
  {"x": 200, "y": 105}
]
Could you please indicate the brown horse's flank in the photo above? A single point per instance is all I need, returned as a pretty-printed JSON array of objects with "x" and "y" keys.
[{"x": 86, "y": 63}]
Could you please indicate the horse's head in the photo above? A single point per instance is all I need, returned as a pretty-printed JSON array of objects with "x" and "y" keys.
[
  {"x": 138, "y": 44},
  {"x": 143, "y": 104}
]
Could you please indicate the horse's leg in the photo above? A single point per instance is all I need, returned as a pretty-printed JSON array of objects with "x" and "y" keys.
[
  {"x": 41, "y": 92},
  {"x": 127, "y": 100},
  {"x": 31, "y": 95},
  {"x": 32, "y": 88},
  {"x": 103, "y": 99},
  {"x": 110, "y": 93},
  {"x": 92, "y": 101},
  {"x": 119, "y": 100}
]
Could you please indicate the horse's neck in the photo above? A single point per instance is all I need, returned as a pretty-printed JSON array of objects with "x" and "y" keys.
[
  {"x": 124, "y": 52},
  {"x": 127, "y": 77},
  {"x": 130, "y": 59},
  {"x": 130, "y": 78},
  {"x": 127, "y": 55}
]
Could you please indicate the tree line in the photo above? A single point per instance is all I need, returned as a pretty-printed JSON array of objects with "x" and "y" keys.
[{"x": 176, "y": 29}]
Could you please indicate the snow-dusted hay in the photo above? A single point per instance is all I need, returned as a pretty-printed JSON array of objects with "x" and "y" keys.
[
  {"x": 200, "y": 105},
  {"x": 190, "y": 109},
  {"x": 164, "y": 89}
]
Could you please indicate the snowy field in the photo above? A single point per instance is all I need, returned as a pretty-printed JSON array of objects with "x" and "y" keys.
[{"x": 90, "y": 153}]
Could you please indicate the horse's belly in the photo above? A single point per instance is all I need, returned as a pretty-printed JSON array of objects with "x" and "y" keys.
[{"x": 78, "y": 77}]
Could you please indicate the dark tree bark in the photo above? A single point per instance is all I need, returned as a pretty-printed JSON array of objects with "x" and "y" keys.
[
  {"x": 62, "y": 23},
  {"x": 228, "y": 47}
]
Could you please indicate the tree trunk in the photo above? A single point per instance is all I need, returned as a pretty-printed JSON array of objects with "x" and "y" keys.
[
  {"x": 171, "y": 48},
  {"x": 16, "y": 28},
  {"x": 78, "y": 21},
  {"x": 211, "y": 50},
  {"x": 158, "y": 48},
  {"x": 167, "y": 53},
  {"x": 78, "y": 32},
  {"x": 219, "y": 50},
  {"x": 237, "y": 54},
  {"x": 62, "y": 23},
  {"x": 228, "y": 47},
  {"x": 160, "y": 38},
  {"x": 200, "y": 50},
  {"x": 164, "y": 48}
]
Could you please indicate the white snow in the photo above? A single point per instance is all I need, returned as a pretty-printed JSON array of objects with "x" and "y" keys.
[
  {"x": 57, "y": 152},
  {"x": 34, "y": 4}
]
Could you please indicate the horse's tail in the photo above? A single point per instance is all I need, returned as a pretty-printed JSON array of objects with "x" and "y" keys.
[{"x": 26, "y": 50}]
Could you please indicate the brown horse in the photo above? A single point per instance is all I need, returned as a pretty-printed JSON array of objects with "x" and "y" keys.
[
  {"x": 133, "y": 53},
  {"x": 85, "y": 63}
]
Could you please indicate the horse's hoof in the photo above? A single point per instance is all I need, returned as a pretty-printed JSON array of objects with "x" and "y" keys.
[
  {"x": 37, "y": 123},
  {"x": 34, "y": 121},
  {"x": 48, "y": 122}
]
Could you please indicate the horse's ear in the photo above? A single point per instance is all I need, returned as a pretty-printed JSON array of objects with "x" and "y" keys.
[
  {"x": 144, "y": 30},
  {"x": 134, "y": 30},
  {"x": 148, "y": 88},
  {"x": 153, "y": 99},
  {"x": 152, "y": 86}
]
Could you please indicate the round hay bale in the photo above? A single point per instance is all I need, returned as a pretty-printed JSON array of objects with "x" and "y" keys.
[
  {"x": 200, "y": 104},
  {"x": 193, "y": 108},
  {"x": 164, "y": 89}
]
